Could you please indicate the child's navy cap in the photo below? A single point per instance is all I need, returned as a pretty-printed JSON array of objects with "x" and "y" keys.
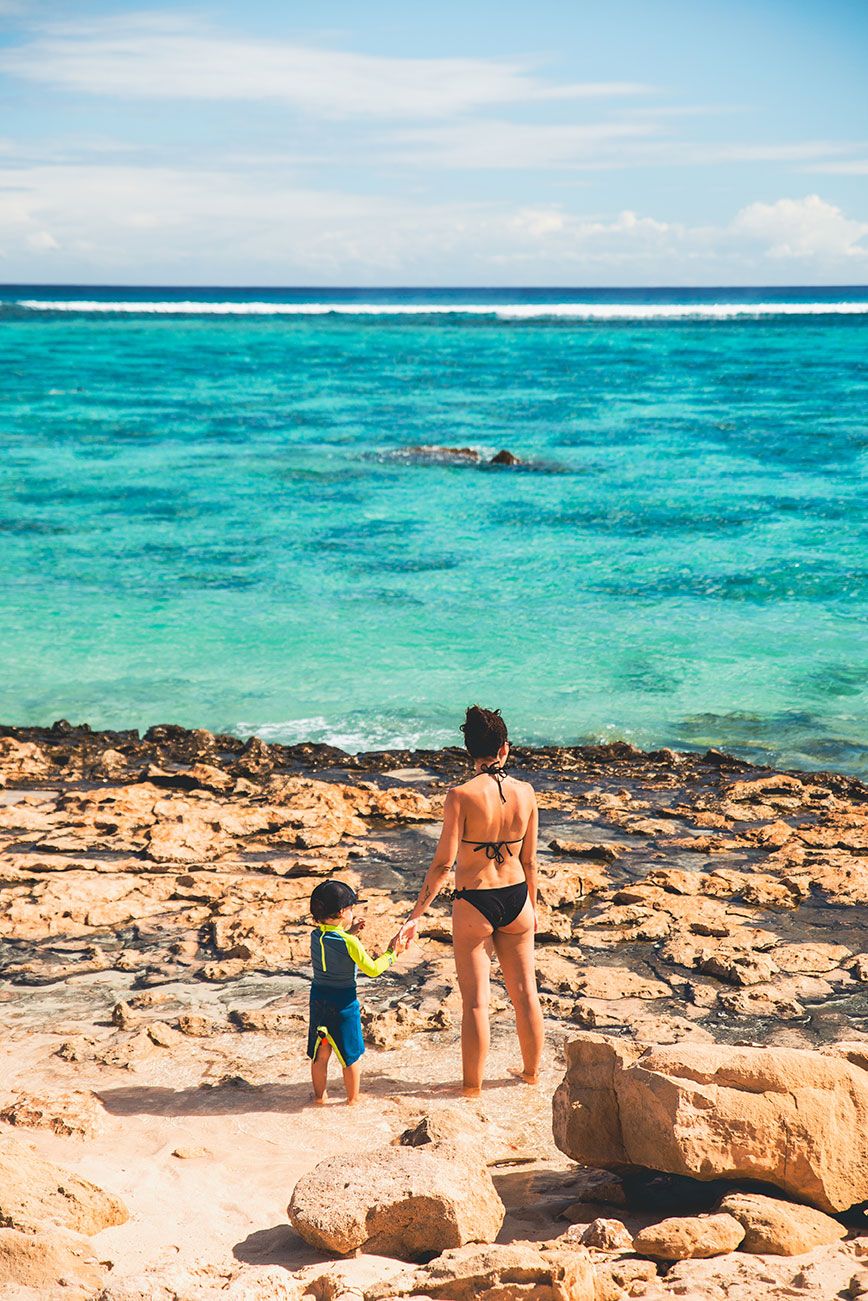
[{"x": 330, "y": 898}]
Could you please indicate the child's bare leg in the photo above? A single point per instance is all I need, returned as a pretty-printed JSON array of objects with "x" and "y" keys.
[
  {"x": 319, "y": 1069},
  {"x": 352, "y": 1082}
]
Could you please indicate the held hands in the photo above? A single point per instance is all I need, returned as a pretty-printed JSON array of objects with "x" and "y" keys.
[{"x": 405, "y": 936}]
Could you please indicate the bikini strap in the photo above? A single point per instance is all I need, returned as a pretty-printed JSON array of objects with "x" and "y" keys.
[{"x": 494, "y": 770}]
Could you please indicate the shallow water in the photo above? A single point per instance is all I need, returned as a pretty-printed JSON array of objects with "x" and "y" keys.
[{"x": 214, "y": 518}]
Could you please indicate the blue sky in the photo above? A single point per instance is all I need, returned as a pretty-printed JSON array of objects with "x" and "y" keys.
[{"x": 634, "y": 142}]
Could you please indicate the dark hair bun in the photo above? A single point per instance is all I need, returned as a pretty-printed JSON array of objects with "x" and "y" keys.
[{"x": 484, "y": 732}]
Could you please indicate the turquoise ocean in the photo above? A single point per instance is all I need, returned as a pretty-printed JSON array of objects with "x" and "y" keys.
[{"x": 211, "y": 513}]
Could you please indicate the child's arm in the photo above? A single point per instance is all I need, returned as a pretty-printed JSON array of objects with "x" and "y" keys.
[{"x": 363, "y": 960}]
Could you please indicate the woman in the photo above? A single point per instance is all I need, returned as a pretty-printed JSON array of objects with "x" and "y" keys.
[{"x": 489, "y": 833}]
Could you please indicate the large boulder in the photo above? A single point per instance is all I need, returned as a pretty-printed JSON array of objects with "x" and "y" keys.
[
  {"x": 33, "y": 1191},
  {"x": 776, "y": 1228},
  {"x": 792, "y": 1118},
  {"x": 398, "y": 1201}
]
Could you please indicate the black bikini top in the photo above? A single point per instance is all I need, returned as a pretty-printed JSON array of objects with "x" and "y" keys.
[{"x": 493, "y": 848}]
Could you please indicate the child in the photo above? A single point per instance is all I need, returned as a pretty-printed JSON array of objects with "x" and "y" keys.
[{"x": 335, "y": 1016}]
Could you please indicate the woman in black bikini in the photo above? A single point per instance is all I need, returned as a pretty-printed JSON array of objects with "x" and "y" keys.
[{"x": 489, "y": 833}]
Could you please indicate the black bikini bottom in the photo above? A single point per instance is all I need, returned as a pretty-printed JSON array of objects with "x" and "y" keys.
[{"x": 500, "y": 906}]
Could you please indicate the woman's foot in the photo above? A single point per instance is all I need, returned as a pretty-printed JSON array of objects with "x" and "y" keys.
[
  {"x": 319, "y": 1100},
  {"x": 526, "y": 1077}
]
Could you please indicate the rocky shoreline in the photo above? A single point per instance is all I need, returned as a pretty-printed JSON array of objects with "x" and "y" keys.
[{"x": 153, "y": 939}]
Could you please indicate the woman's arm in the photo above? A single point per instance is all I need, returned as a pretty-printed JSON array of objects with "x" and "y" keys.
[
  {"x": 441, "y": 865},
  {"x": 527, "y": 857}
]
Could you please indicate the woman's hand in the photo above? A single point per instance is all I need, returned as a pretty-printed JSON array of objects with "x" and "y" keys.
[{"x": 407, "y": 934}]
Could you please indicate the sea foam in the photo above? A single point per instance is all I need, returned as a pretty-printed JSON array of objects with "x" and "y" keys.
[{"x": 501, "y": 311}]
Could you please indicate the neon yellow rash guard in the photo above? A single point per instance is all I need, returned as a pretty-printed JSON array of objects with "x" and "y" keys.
[{"x": 335, "y": 955}]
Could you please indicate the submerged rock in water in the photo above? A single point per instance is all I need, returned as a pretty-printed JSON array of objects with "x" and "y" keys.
[
  {"x": 713, "y": 1111},
  {"x": 397, "y": 1201}
]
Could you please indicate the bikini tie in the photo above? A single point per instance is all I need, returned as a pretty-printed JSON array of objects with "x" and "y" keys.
[
  {"x": 493, "y": 850},
  {"x": 498, "y": 773}
]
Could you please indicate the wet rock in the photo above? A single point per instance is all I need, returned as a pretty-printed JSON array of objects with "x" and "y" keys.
[
  {"x": 713, "y": 1111},
  {"x": 397, "y": 1201},
  {"x": 690, "y": 1236},
  {"x": 777, "y": 1228},
  {"x": 33, "y": 1191},
  {"x": 503, "y": 457}
]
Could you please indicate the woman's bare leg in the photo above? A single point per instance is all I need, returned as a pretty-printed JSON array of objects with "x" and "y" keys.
[
  {"x": 472, "y": 942},
  {"x": 514, "y": 947}
]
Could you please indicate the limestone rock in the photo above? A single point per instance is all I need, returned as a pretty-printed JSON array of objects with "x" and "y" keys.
[
  {"x": 164, "y": 1035},
  {"x": 605, "y": 1235},
  {"x": 712, "y": 1111},
  {"x": 33, "y": 1190},
  {"x": 397, "y": 1201},
  {"x": 686, "y": 1237},
  {"x": 455, "y": 1125},
  {"x": 52, "y": 1262},
  {"x": 188, "y": 841},
  {"x": 79, "y": 1114},
  {"x": 776, "y": 1228},
  {"x": 387, "y": 1029},
  {"x": 497, "y": 1273}
]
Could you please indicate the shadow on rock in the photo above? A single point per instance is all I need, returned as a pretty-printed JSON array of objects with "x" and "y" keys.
[{"x": 278, "y": 1246}]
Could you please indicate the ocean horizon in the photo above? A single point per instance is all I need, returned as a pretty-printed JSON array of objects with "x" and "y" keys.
[{"x": 273, "y": 512}]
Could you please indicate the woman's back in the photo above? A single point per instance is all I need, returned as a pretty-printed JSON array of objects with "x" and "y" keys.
[{"x": 496, "y": 813}]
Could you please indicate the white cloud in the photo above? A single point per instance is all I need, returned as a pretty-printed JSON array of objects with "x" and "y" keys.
[
  {"x": 158, "y": 56},
  {"x": 488, "y": 143},
  {"x": 41, "y": 241},
  {"x": 857, "y": 167},
  {"x": 802, "y": 228},
  {"x": 121, "y": 223},
  {"x": 631, "y": 142}
]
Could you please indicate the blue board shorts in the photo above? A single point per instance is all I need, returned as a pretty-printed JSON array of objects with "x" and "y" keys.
[{"x": 335, "y": 1016}]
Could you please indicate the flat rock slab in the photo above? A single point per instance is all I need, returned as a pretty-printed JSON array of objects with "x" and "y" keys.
[
  {"x": 404, "y": 1202},
  {"x": 794, "y": 1118}
]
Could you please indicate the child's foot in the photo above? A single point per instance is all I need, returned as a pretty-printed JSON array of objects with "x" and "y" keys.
[
  {"x": 319, "y": 1100},
  {"x": 353, "y": 1102},
  {"x": 525, "y": 1076},
  {"x": 470, "y": 1091}
]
